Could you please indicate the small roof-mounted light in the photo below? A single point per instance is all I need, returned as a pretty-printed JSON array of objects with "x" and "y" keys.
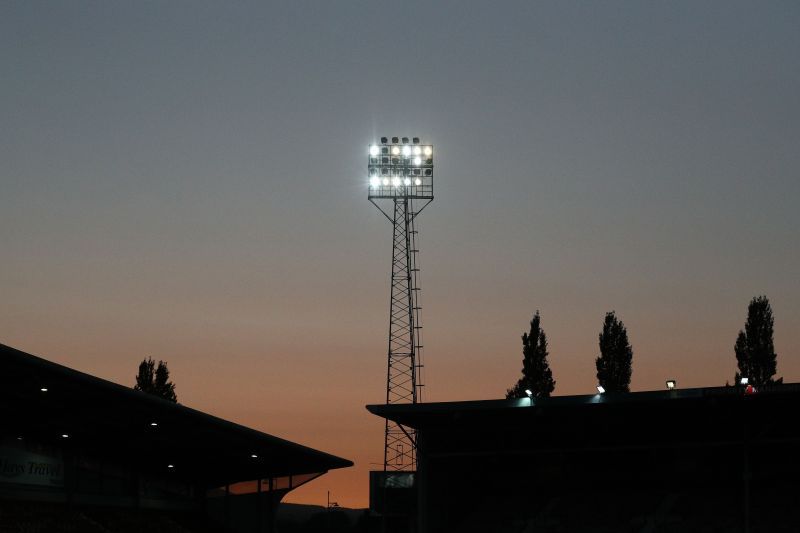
[
  {"x": 671, "y": 384},
  {"x": 529, "y": 392},
  {"x": 744, "y": 381},
  {"x": 601, "y": 389}
]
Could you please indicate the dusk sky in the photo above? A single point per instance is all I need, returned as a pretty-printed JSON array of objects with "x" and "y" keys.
[{"x": 186, "y": 180}]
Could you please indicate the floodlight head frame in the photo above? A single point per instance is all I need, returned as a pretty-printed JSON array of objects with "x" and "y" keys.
[{"x": 399, "y": 170}]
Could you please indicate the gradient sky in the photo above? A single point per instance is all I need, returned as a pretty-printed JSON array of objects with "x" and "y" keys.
[{"x": 186, "y": 180}]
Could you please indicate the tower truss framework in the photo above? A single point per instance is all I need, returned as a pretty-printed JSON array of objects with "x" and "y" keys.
[{"x": 401, "y": 186}]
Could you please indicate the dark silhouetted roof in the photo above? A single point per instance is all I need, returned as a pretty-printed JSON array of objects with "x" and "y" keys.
[{"x": 107, "y": 419}]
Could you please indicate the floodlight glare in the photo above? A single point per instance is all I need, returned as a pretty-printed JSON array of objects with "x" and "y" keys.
[
  {"x": 671, "y": 384},
  {"x": 43, "y": 389},
  {"x": 406, "y": 151},
  {"x": 528, "y": 392},
  {"x": 395, "y": 150},
  {"x": 417, "y": 150},
  {"x": 65, "y": 435},
  {"x": 601, "y": 389},
  {"x": 374, "y": 182},
  {"x": 396, "y": 182},
  {"x": 407, "y": 182},
  {"x": 744, "y": 381},
  {"x": 374, "y": 150},
  {"x": 428, "y": 150},
  {"x": 417, "y": 182},
  {"x": 417, "y": 161},
  {"x": 386, "y": 181}
]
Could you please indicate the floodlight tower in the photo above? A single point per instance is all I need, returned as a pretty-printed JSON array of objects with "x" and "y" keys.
[{"x": 401, "y": 186}]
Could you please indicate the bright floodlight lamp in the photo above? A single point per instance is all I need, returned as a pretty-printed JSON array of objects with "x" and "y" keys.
[
  {"x": 671, "y": 383},
  {"x": 409, "y": 169},
  {"x": 744, "y": 381},
  {"x": 601, "y": 389},
  {"x": 528, "y": 392}
]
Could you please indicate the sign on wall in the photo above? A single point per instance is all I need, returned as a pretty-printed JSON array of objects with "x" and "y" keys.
[{"x": 20, "y": 466}]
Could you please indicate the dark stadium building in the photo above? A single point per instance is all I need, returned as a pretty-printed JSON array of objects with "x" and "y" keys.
[
  {"x": 81, "y": 454},
  {"x": 697, "y": 460}
]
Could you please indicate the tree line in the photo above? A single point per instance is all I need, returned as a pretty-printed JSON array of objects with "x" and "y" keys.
[{"x": 754, "y": 349}]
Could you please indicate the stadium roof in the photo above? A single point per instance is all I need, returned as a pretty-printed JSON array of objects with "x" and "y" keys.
[
  {"x": 112, "y": 420},
  {"x": 677, "y": 417}
]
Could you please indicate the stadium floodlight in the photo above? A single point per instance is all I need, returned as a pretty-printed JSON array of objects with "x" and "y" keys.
[
  {"x": 744, "y": 381},
  {"x": 601, "y": 389},
  {"x": 153, "y": 424},
  {"x": 43, "y": 389},
  {"x": 399, "y": 170},
  {"x": 65, "y": 435},
  {"x": 170, "y": 466},
  {"x": 405, "y": 189},
  {"x": 671, "y": 384},
  {"x": 253, "y": 456}
]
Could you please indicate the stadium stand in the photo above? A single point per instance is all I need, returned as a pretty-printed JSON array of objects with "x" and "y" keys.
[
  {"x": 699, "y": 460},
  {"x": 81, "y": 454}
]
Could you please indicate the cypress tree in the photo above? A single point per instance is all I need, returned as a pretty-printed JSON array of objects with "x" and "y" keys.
[
  {"x": 536, "y": 374},
  {"x": 614, "y": 366},
  {"x": 755, "y": 351}
]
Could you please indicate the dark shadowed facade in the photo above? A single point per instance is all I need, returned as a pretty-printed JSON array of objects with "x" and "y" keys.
[
  {"x": 89, "y": 455},
  {"x": 709, "y": 459}
]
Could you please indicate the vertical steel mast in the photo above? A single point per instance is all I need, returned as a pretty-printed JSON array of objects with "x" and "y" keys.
[{"x": 401, "y": 173}]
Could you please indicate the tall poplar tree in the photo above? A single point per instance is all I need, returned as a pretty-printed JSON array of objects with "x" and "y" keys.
[
  {"x": 614, "y": 366},
  {"x": 536, "y": 374},
  {"x": 155, "y": 380},
  {"x": 754, "y": 348}
]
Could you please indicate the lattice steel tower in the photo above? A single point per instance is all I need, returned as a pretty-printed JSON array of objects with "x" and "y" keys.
[{"x": 401, "y": 186}]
